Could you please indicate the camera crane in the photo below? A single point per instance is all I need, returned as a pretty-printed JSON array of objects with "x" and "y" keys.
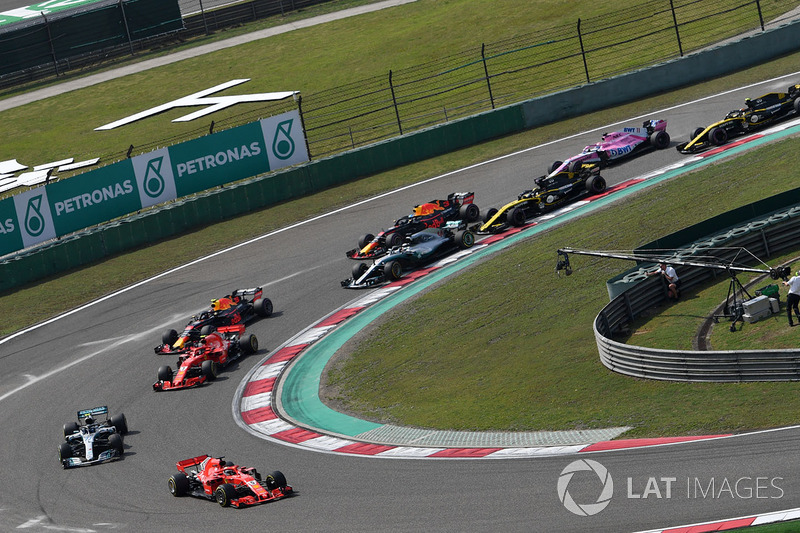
[{"x": 733, "y": 304}]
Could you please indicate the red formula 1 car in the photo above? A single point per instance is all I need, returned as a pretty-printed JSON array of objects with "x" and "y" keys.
[
  {"x": 200, "y": 358},
  {"x": 228, "y": 484},
  {"x": 240, "y": 306},
  {"x": 433, "y": 214}
]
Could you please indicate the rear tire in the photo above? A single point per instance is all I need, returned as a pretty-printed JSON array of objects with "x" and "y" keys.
[
  {"x": 115, "y": 441},
  {"x": 660, "y": 139},
  {"x": 393, "y": 239},
  {"x": 263, "y": 307},
  {"x": 276, "y": 480},
  {"x": 718, "y": 136},
  {"x": 70, "y": 428},
  {"x": 120, "y": 423},
  {"x": 464, "y": 239},
  {"x": 224, "y": 494},
  {"x": 169, "y": 337},
  {"x": 210, "y": 369},
  {"x": 516, "y": 217},
  {"x": 392, "y": 270},
  {"x": 596, "y": 184},
  {"x": 365, "y": 240},
  {"x": 552, "y": 168},
  {"x": 469, "y": 212},
  {"x": 178, "y": 484},
  {"x": 249, "y": 344},
  {"x": 165, "y": 373}
]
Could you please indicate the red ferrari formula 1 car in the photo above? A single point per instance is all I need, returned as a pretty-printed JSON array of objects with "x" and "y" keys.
[
  {"x": 240, "y": 306},
  {"x": 433, "y": 214},
  {"x": 228, "y": 484},
  {"x": 201, "y": 358}
]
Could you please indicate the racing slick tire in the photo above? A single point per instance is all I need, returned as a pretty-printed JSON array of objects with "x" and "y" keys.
[
  {"x": 489, "y": 214},
  {"x": 70, "y": 428},
  {"x": 249, "y": 344},
  {"x": 575, "y": 167},
  {"x": 358, "y": 270},
  {"x": 596, "y": 184},
  {"x": 64, "y": 451},
  {"x": 697, "y": 132},
  {"x": 469, "y": 212},
  {"x": 178, "y": 484},
  {"x": 208, "y": 329},
  {"x": 120, "y": 423},
  {"x": 393, "y": 239},
  {"x": 516, "y": 217},
  {"x": 263, "y": 307},
  {"x": 365, "y": 240},
  {"x": 210, "y": 369},
  {"x": 659, "y": 139},
  {"x": 797, "y": 105},
  {"x": 115, "y": 441},
  {"x": 464, "y": 239},
  {"x": 553, "y": 166},
  {"x": 165, "y": 373},
  {"x": 169, "y": 337},
  {"x": 224, "y": 494},
  {"x": 718, "y": 136},
  {"x": 392, "y": 270},
  {"x": 276, "y": 480}
]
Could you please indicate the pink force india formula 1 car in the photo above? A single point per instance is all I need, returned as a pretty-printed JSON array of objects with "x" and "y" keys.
[{"x": 229, "y": 484}]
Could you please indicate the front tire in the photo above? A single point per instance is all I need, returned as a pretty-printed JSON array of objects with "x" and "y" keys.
[
  {"x": 70, "y": 428},
  {"x": 516, "y": 217},
  {"x": 718, "y": 136},
  {"x": 552, "y": 168},
  {"x": 169, "y": 337},
  {"x": 224, "y": 494},
  {"x": 489, "y": 214},
  {"x": 210, "y": 369},
  {"x": 464, "y": 239},
  {"x": 276, "y": 480},
  {"x": 393, "y": 239},
  {"x": 358, "y": 270},
  {"x": 178, "y": 484},
  {"x": 596, "y": 184},
  {"x": 115, "y": 441},
  {"x": 365, "y": 240},
  {"x": 64, "y": 451},
  {"x": 165, "y": 373}
]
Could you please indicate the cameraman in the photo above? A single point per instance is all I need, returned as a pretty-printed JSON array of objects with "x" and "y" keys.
[
  {"x": 794, "y": 297},
  {"x": 673, "y": 282}
]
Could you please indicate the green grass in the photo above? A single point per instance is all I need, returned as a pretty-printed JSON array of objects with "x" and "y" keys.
[
  {"x": 310, "y": 60},
  {"x": 544, "y": 370}
]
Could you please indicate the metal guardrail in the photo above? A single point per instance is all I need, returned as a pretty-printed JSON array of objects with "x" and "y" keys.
[{"x": 764, "y": 237}]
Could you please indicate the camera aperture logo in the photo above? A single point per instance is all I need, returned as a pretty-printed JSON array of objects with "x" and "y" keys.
[{"x": 585, "y": 509}]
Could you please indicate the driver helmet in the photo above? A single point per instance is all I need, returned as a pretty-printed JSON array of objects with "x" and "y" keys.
[
  {"x": 88, "y": 420},
  {"x": 215, "y": 305},
  {"x": 747, "y": 102}
]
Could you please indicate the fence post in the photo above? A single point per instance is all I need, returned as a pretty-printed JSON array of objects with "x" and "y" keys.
[
  {"x": 50, "y": 40},
  {"x": 299, "y": 98},
  {"x": 203, "y": 14},
  {"x": 486, "y": 72},
  {"x": 127, "y": 30},
  {"x": 394, "y": 101},
  {"x": 760, "y": 16},
  {"x": 675, "y": 22},
  {"x": 583, "y": 52}
]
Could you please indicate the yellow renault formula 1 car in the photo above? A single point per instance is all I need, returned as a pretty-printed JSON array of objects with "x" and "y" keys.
[
  {"x": 757, "y": 113},
  {"x": 551, "y": 192}
]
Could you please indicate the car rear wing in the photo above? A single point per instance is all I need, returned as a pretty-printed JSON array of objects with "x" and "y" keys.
[
  {"x": 248, "y": 294},
  {"x": 196, "y": 463},
  {"x": 462, "y": 197},
  {"x": 233, "y": 328},
  {"x": 94, "y": 411}
]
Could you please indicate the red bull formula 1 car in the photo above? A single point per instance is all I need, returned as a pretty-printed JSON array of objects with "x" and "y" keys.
[
  {"x": 201, "y": 357},
  {"x": 241, "y": 306},
  {"x": 433, "y": 214},
  {"x": 229, "y": 484},
  {"x": 757, "y": 113}
]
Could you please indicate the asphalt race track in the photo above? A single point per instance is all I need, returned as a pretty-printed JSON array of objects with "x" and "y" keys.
[{"x": 102, "y": 355}]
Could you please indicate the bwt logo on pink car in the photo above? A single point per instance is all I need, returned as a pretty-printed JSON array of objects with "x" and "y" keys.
[{"x": 615, "y": 152}]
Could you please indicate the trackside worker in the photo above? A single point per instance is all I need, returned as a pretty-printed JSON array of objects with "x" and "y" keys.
[{"x": 793, "y": 298}]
